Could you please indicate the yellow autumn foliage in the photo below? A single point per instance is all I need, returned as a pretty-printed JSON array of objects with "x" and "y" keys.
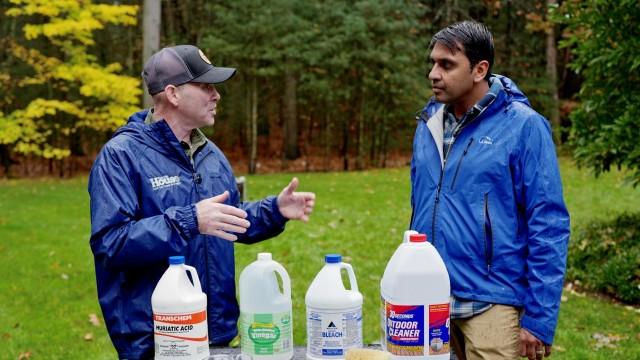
[{"x": 85, "y": 93}]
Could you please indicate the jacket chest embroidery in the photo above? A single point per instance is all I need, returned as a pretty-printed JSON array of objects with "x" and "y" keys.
[
  {"x": 165, "y": 181},
  {"x": 486, "y": 140}
]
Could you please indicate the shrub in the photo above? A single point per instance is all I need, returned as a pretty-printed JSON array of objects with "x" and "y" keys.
[{"x": 605, "y": 257}]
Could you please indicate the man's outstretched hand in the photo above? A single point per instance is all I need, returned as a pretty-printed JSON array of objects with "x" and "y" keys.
[
  {"x": 296, "y": 205},
  {"x": 221, "y": 220}
]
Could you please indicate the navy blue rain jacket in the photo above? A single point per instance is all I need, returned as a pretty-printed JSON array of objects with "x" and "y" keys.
[
  {"x": 143, "y": 191},
  {"x": 494, "y": 208}
]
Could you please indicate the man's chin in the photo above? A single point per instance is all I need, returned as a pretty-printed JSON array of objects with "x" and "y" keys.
[{"x": 441, "y": 98}]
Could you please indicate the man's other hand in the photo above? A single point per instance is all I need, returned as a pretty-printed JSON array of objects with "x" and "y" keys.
[
  {"x": 296, "y": 205},
  {"x": 221, "y": 220},
  {"x": 531, "y": 347}
]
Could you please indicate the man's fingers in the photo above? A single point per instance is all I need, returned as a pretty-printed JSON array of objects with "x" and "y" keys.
[
  {"x": 224, "y": 235},
  {"x": 310, "y": 202},
  {"x": 221, "y": 198},
  {"x": 547, "y": 350},
  {"x": 233, "y": 220},
  {"x": 293, "y": 185},
  {"x": 228, "y": 227},
  {"x": 233, "y": 211},
  {"x": 531, "y": 352}
]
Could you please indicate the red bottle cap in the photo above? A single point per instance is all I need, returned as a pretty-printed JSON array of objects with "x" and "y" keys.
[{"x": 417, "y": 238}]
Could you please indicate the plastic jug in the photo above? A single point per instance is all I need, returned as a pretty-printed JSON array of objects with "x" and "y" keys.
[
  {"x": 334, "y": 314},
  {"x": 265, "y": 311},
  {"x": 415, "y": 292},
  {"x": 179, "y": 314}
]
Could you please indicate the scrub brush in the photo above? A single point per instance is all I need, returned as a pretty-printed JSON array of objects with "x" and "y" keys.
[{"x": 367, "y": 354}]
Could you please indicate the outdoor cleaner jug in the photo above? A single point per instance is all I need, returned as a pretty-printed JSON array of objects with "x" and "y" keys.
[
  {"x": 334, "y": 314},
  {"x": 179, "y": 314},
  {"x": 415, "y": 293},
  {"x": 265, "y": 312}
]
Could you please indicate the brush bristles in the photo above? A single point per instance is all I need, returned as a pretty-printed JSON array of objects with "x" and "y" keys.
[{"x": 367, "y": 354}]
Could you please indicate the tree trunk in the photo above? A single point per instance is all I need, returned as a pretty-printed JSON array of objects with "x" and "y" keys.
[
  {"x": 5, "y": 159},
  {"x": 345, "y": 144},
  {"x": 507, "y": 41},
  {"x": 385, "y": 142},
  {"x": 359, "y": 118},
  {"x": 552, "y": 73},
  {"x": 253, "y": 124},
  {"x": 291, "y": 150},
  {"x": 327, "y": 141},
  {"x": 150, "y": 37}
]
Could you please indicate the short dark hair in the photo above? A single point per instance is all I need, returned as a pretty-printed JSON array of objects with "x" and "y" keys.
[{"x": 475, "y": 38}]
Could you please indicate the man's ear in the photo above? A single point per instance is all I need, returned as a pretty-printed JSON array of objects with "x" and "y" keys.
[
  {"x": 480, "y": 71},
  {"x": 172, "y": 94}
]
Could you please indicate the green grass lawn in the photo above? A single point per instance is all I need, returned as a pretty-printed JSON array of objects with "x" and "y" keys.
[{"x": 47, "y": 289}]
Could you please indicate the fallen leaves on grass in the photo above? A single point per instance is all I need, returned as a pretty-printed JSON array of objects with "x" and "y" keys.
[
  {"x": 88, "y": 336},
  {"x": 64, "y": 277},
  {"x": 608, "y": 341},
  {"x": 94, "y": 320},
  {"x": 24, "y": 355},
  {"x": 572, "y": 288},
  {"x": 631, "y": 308}
]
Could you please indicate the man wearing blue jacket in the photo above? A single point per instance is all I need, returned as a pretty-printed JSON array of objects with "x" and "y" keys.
[
  {"x": 486, "y": 190},
  {"x": 158, "y": 188}
]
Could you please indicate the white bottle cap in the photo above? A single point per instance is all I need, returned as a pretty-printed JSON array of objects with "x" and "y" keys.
[{"x": 264, "y": 256}]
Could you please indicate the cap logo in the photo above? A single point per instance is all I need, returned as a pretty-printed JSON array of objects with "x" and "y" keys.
[{"x": 204, "y": 57}]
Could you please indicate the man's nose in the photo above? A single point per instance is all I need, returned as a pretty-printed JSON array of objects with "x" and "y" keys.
[{"x": 433, "y": 74}]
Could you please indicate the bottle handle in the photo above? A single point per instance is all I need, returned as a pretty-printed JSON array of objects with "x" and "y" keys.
[
  {"x": 286, "y": 281},
  {"x": 407, "y": 234},
  {"x": 352, "y": 276},
  {"x": 194, "y": 276}
]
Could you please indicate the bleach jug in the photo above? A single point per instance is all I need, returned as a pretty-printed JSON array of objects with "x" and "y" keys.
[
  {"x": 415, "y": 292},
  {"x": 179, "y": 314},
  {"x": 334, "y": 314},
  {"x": 265, "y": 311}
]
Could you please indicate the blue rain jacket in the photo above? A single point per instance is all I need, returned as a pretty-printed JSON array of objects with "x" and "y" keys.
[
  {"x": 494, "y": 208},
  {"x": 143, "y": 191}
]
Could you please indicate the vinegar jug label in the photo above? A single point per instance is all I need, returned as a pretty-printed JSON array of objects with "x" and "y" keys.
[
  {"x": 266, "y": 334},
  {"x": 181, "y": 335},
  {"x": 333, "y": 333},
  {"x": 439, "y": 329}
]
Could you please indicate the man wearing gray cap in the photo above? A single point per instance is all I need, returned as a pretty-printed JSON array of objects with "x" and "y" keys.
[{"x": 159, "y": 188}]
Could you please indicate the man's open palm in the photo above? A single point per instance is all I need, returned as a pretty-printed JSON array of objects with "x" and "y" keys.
[{"x": 296, "y": 205}]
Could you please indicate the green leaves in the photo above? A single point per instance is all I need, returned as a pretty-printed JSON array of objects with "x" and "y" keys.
[
  {"x": 69, "y": 90},
  {"x": 604, "y": 38}
]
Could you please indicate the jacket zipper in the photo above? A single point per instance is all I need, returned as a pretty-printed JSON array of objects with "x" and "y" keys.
[
  {"x": 444, "y": 163},
  {"x": 488, "y": 234},
  {"x": 464, "y": 153},
  {"x": 438, "y": 190}
]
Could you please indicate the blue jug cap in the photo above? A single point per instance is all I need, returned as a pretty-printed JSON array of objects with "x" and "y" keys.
[
  {"x": 176, "y": 260},
  {"x": 332, "y": 258}
]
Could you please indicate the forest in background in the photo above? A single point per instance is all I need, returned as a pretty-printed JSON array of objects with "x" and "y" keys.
[{"x": 321, "y": 85}]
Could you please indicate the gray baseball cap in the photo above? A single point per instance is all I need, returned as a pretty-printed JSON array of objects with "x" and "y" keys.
[{"x": 181, "y": 64}]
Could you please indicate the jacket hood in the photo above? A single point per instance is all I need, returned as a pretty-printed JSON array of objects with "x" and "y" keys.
[
  {"x": 158, "y": 132},
  {"x": 135, "y": 125},
  {"x": 138, "y": 117},
  {"x": 511, "y": 90}
]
